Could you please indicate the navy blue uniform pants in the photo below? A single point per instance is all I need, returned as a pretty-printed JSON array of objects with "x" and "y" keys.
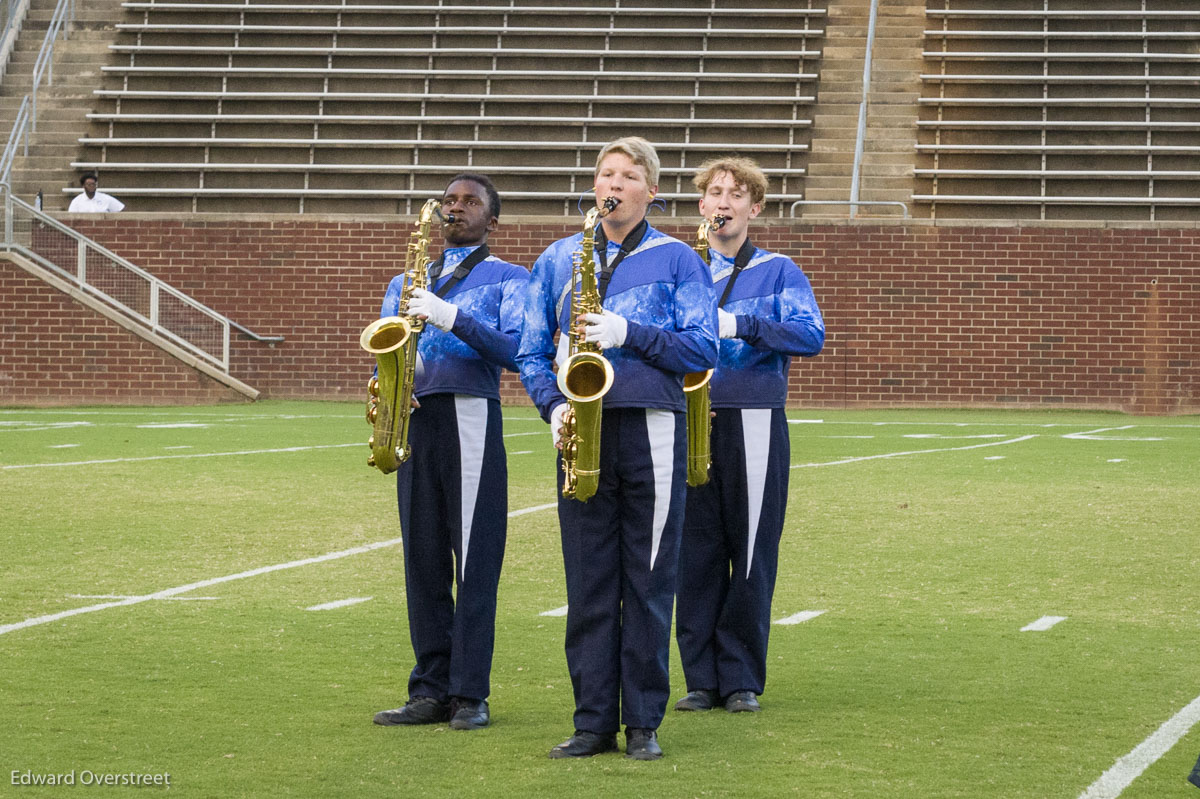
[
  {"x": 620, "y": 552},
  {"x": 730, "y": 553},
  {"x": 453, "y": 500}
]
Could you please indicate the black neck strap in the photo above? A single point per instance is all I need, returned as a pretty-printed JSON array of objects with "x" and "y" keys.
[
  {"x": 629, "y": 244},
  {"x": 461, "y": 271},
  {"x": 744, "y": 254}
]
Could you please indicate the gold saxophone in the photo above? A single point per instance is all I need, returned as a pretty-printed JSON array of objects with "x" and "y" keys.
[
  {"x": 695, "y": 389},
  {"x": 586, "y": 376},
  {"x": 393, "y": 342}
]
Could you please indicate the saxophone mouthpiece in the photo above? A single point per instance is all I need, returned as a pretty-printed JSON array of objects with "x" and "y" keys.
[
  {"x": 447, "y": 219},
  {"x": 718, "y": 222},
  {"x": 609, "y": 205}
]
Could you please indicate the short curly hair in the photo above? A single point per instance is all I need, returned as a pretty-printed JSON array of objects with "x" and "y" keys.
[{"x": 745, "y": 172}]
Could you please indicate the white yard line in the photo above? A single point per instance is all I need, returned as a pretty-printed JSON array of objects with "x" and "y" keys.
[
  {"x": 556, "y": 612},
  {"x": 802, "y": 616},
  {"x": 1042, "y": 624},
  {"x": 1112, "y": 782},
  {"x": 341, "y": 603},
  {"x": 179, "y": 457},
  {"x": 913, "y": 452},
  {"x": 167, "y": 593}
]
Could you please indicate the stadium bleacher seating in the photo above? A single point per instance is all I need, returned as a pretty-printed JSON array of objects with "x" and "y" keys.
[
  {"x": 370, "y": 107},
  {"x": 1049, "y": 111}
]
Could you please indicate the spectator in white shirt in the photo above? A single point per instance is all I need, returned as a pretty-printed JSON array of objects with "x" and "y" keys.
[{"x": 91, "y": 201}]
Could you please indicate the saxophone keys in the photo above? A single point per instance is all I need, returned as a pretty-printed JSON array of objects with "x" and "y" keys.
[{"x": 372, "y": 411}]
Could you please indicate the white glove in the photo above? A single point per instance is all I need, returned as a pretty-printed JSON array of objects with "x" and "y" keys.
[
  {"x": 727, "y": 323},
  {"x": 606, "y": 329},
  {"x": 433, "y": 309},
  {"x": 556, "y": 421}
]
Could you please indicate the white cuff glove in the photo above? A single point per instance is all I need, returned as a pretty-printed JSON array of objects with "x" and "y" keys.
[
  {"x": 727, "y": 323},
  {"x": 606, "y": 329},
  {"x": 433, "y": 309},
  {"x": 556, "y": 421}
]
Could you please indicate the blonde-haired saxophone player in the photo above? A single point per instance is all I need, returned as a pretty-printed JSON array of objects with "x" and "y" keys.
[
  {"x": 452, "y": 492},
  {"x": 730, "y": 549},
  {"x": 620, "y": 546}
]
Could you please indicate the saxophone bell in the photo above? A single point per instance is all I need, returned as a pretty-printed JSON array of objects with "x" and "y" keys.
[{"x": 393, "y": 342}]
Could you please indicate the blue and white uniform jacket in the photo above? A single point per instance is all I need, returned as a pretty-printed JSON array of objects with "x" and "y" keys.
[
  {"x": 777, "y": 317},
  {"x": 486, "y": 332},
  {"x": 665, "y": 294}
]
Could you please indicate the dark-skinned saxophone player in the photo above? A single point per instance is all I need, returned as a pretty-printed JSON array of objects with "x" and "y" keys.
[{"x": 452, "y": 483}]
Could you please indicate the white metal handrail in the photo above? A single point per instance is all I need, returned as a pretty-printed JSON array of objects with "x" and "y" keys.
[{"x": 151, "y": 303}]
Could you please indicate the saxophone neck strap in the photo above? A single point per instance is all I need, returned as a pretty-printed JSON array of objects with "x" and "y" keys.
[
  {"x": 744, "y": 254},
  {"x": 461, "y": 271},
  {"x": 628, "y": 245}
]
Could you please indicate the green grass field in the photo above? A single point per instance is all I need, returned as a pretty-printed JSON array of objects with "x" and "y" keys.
[{"x": 927, "y": 538}]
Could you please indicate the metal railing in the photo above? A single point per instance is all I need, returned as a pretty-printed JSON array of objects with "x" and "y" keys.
[
  {"x": 138, "y": 295},
  {"x": 43, "y": 67},
  {"x": 64, "y": 12},
  {"x": 19, "y": 138},
  {"x": 852, "y": 203}
]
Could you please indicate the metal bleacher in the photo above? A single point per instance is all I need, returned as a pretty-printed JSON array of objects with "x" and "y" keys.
[
  {"x": 287, "y": 106},
  {"x": 1060, "y": 109}
]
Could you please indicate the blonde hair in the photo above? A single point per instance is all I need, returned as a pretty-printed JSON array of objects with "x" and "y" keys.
[
  {"x": 640, "y": 152},
  {"x": 744, "y": 171}
]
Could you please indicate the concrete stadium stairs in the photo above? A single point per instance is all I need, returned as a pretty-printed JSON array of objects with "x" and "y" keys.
[{"x": 62, "y": 106}]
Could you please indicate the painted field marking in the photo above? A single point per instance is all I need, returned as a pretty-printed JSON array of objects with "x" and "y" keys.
[
  {"x": 806, "y": 421},
  {"x": 802, "y": 616},
  {"x": 1116, "y": 460},
  {"x": 341, "y": 603},
  {"x": 522, "y": 452},
  {"x": 556, "y": 612},
  {"x": 63, "y": 446},
  {"x": 177, "y": 457},
  {"x": 545, "y": 432},
  {"x": 183, "y": 589},
  {"x": 169, "y": 425},
  {"x": 943, "y": 435},
  {"x": 1112, "y": 782},
  {"x": 1044, "y": 623},
  {"x": 914, "y": 452},
  {"x": 1092, "y": 435},
  {"x": 123, "y": 596},
  {"x": 36, "y": 427}
]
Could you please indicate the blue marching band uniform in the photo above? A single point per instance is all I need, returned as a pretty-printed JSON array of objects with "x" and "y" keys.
[
  {"x": 734, "y": 521},
  {"x": 621, "y": 549},
  {"x": 628, "y": 551},
  {"x": 452, "y": 492}
]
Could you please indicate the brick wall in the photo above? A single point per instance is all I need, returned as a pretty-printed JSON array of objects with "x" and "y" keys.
[{"x": 917, "y": 314}]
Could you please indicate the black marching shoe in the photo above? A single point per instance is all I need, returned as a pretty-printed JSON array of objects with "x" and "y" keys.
[
  {"x": 698, "y": 700},
  {"x": 642, "y": 744},
  {"x": 742, "y": 702},
  {"x": 585, "y": 744},
  {"x": 469, "y": 714},
  {"x": 418, "y": 710}
]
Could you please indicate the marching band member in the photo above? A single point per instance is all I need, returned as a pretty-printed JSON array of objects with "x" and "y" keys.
[
  {"x": 452, "y": 492},
  {"x": 729, "y": 554},
  {"x": 620, "y": 547}
]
